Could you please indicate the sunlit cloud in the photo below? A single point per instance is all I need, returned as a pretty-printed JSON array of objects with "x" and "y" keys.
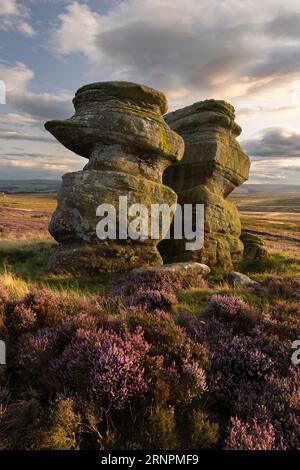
[
  {"x": 246, "y": 52},
  {"x": 14, "y": 15}
]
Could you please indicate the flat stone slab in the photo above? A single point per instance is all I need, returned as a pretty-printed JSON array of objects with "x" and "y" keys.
[
  {"x": 188, "y": 267},
  {"x": 240, "y": 280}
]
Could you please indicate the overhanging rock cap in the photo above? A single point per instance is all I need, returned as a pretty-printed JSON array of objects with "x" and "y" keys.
[
  {"x": 126, "y": 90},
  {"x": 207, "y": 112}
]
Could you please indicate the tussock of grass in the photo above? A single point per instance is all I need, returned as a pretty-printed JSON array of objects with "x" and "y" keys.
[
  {"x": 16, "y": 287},
  {"x": 278, "y": 263},
  {"x": 193, "y": 301},
  {"x": 27, "y": 261}
]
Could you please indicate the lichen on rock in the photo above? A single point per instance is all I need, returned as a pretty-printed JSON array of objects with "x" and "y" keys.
[
  {"x": 213, "y": 165},
  {"x": 119, "y": 127}
]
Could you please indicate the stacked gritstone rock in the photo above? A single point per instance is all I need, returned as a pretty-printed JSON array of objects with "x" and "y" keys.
[
  {"x": 213, "y": 165},
  {"x": 119, "y": 127}
]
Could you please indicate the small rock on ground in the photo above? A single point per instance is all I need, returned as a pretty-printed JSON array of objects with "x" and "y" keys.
[
  {"x": 240, "y": 280},
  {"x": 190, "y": 267}
]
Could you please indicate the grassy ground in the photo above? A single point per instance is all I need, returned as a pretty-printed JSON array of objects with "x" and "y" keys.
[
  {"x": 26, "y": 216},
  {"x": 31, "y": 202},
  {"x": 166, "y": 421},
  {"x": 25, "y": 246},
  {"x": 23, "y": 263},
  {"x": 276, "y": 219}
]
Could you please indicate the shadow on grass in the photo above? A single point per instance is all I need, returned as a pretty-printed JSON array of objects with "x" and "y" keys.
[{"x": 28, "y": 261}]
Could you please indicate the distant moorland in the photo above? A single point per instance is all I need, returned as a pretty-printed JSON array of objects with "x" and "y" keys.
[
  {"x": 185, "y": 362},
  {"x": 29, "y": 186}
]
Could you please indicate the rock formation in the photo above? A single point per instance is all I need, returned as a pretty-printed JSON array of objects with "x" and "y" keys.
[
  {"x": 212, "y": 166},
  {"x": 119, "y": 127},
  {"x": 254, "y": 249}
]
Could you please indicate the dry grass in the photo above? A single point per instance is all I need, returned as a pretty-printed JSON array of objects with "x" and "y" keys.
[
  {"x": 39, "y": 202},
  {"x": 16, "y": 286},
  {"x": 25, "y": 216}
]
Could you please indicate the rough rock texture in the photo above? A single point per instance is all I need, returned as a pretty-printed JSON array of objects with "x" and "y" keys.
[
  {"x": 192, "y": 268},
  {"x": 212, "y": 166},
  {"x": 254, "y": 249},
  {"x": 240, "y": 280},
  {"x": 119, "y": 127}
]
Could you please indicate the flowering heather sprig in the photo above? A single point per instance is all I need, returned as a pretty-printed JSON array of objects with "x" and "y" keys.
[
  {"x": 250, "y": 435},
  {"x": 35, "y": 350},
  {"x": 233, "y": 308},
  {"x": 47, "y": 306},
  {"x": 155, "y": 280},
  {"x": 151, "y": 300},
  {"x": 52, "y": 308},
  {"x": 21, "y": 223},
  {"x": 93, "y": 363},
  {"x": 4, "y": 399},
  {"x": 239, "y": 361},
  {"x": 272, "y": 287},
  {"x": 224, "y": 305},
  {"x": 19, "y": 318},
  {"x": 32, "y": 355},
  {"x": 103, "y": 366},
  {"x": 284, "y": 310},
  {"x": 166, "y": 338},
  {"x": 192, "y": 325},
  {"x": 195, "y": 378},
  {"x": 289, "y": 429}
]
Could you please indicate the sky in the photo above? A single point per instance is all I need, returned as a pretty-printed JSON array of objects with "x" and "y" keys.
[{"x": 246, "y": 52}]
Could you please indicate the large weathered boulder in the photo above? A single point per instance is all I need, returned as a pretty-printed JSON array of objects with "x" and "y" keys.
[
  {"x": 213, "y": 165},
  {"x": 119, "y": 127}
]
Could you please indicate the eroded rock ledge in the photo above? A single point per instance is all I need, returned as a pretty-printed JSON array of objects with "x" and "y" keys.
[
  {"x": 213, "y": 165},
  {"x": 119, "y": 127}
]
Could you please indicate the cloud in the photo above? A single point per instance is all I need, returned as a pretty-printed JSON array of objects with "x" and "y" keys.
[
  {"x": 15, "y": 135},
  {"x": 42, "y": 106},
  {"x": 17, "y": 118},
  {"x": 24, "y": 123},
  {"x": 270, "y": 169},
  {"x": 247, "y": 52},
  {"x": 76, "y": 32},
  {"x": 285, "y": 26},
  {"x": 14, "y": 15},
  {"x": 45, "y": 157},
  {"x": 279, "y": 61},
  {"x": 274, "y": 143},
  {"x": 18, "y": 170},
  {"x": 36, "y": 165},
  {"x": 189, "y": 49},
  {"x": 262, "y": 177},
  {"x": 17, "y": 78}
]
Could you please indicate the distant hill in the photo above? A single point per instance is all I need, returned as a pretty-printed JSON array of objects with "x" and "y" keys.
[
  {"x": 266, "y": 190},
  {"x": 29, "y": 186},
  {"x": 49, "y": 186}
]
